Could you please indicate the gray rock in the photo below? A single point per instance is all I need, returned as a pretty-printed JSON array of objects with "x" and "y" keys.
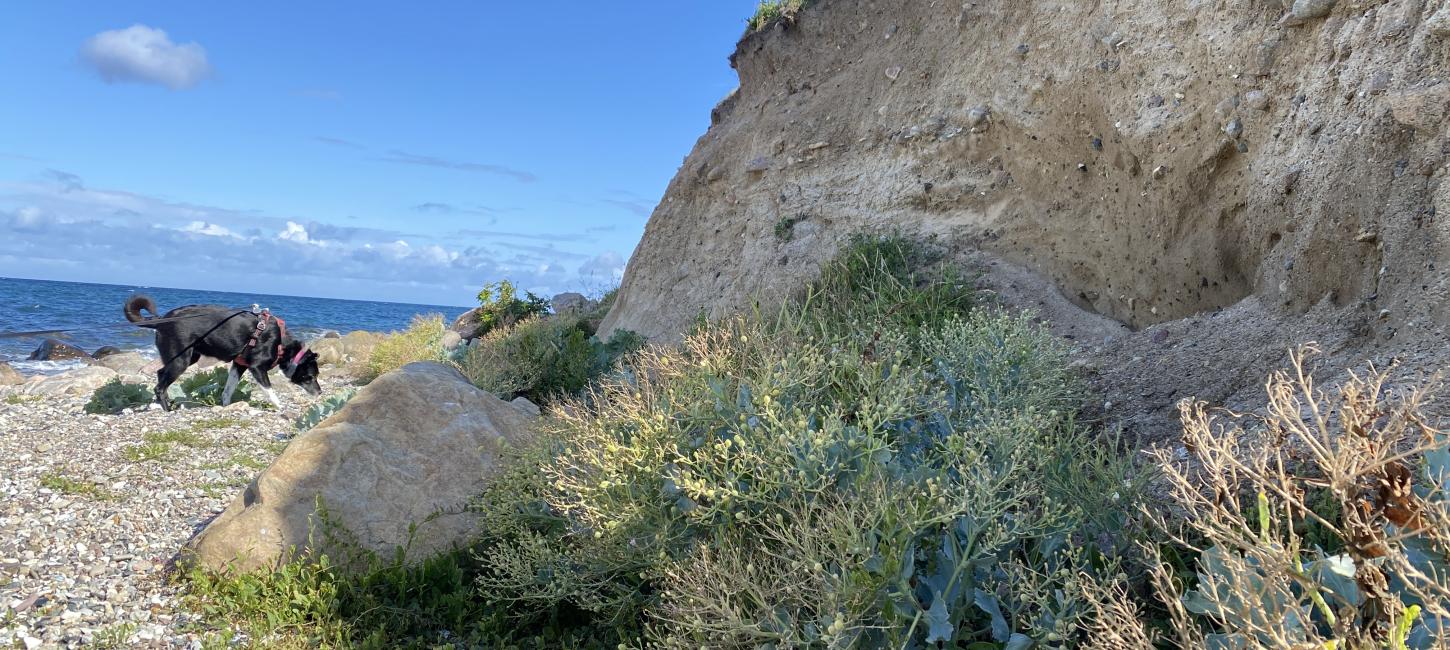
[
  {"x": 126, "y": 363},
  {"x": 1439, "y": 22},
  {"x": 78, "y": 382},
  {"x": 331, "y": 334},
  {"x": 467, "y": 324},
  {"x": 53, "y": 350},
  {"x": 451, "y": 340},
  {"x": 1155, "y": 101},
  {"x": 758, "y": 164},
  {"x": 1257, "y": 100},
  {"x": 566, "y": 303},
  {"x": 1379, "y": 82},
  {"x": 416, "y": 442},
  {"x": 1234, "y": 128},
  {"x": 523, "y": 404},
  {"x": 1305, "y": 10}
]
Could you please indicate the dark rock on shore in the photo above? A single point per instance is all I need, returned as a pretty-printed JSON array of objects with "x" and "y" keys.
[{"x": 54, "y": 350}]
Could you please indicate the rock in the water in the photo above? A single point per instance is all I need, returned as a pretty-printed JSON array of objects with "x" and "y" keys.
[
  {"x": 53, "y": 350},
  {"x": 126, "y": 363},
  {"x": 1422, "y": 108},
  {"x": 81, "y": 381},
  {"x": 566, "y": 303},
  {"x": 413, "y": 442},
  {"x": 10, "y": 376},
  {"x": 330, "y": 334},
  {"x": 105, "y": 351}
]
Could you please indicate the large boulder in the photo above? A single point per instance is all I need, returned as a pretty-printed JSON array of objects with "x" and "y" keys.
[
  {"x": 467, "y": 324},
  {"x": 414, "y": 442},
  {"x": 126, "y": 363},
  {"x": 566, "y": 303},
  {"x": 355, "y": 347},
  {"x": 10, "y": 376},
  {"x": 54, "y": 350},
  {"x": 79, "y": 382}
]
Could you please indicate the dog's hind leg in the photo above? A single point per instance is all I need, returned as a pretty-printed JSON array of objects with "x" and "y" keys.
[
  {"x": 266, "y": 384},
  {"x": 167, "y": 375},
  {"x": 233, "y": 376}
]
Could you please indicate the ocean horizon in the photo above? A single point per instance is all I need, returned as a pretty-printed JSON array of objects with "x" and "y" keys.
[{"x": 94, "y": 310}]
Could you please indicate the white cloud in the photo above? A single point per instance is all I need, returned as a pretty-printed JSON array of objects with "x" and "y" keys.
[
  {"x": 209, "y": 229},
  {"x": 144, "y": 54},
  {"x": 607, "y": 267},
  {"x": 294, "y": 233}
]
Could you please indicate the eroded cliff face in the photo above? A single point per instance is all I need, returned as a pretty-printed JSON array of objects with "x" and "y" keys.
[{"x": 1240, "y": 172}]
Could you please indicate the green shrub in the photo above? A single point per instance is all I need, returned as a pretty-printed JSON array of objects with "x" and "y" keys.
[
  {"x": 913, "y": 479},
  {"x": 543, "y": 358},
  {"x": 770, "y": 12},
  {"x": 500, "y": 306},
  {"x": 324, "y": 409},
  {"x": 117, "y": 396},
  {"x": 206, "y": 389},
  {"x": 422, "y": 341}
]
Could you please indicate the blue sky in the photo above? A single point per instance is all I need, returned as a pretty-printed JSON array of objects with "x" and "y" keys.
[{"x": 404, "y": 152}]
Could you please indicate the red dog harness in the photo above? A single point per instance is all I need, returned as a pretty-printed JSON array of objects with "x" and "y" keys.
[{"x": 282, "y": 336}]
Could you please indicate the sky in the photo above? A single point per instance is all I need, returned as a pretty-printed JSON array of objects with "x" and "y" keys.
[{"x": 402, "y": 152}]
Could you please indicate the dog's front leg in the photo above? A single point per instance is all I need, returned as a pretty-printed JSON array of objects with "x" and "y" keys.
[
  {"x": 234, "y": 376},
  {"x": 266, "y": 384}
]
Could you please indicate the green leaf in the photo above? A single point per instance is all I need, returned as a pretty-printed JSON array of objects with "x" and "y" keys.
[
  {"x": 988, "y": 603},
  {"x": 939, "y": 628}
]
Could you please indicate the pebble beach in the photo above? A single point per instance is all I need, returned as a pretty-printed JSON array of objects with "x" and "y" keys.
[{"x": 96, "y": 508}]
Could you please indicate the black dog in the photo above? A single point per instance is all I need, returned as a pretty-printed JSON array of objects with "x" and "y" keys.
[{"x": 250, "y": 341}]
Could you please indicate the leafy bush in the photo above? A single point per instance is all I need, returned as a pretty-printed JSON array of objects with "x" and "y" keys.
[
  {"x": 324, "y": 409},
  {"x": 1249, "y": 491},
  {"x": 916, "y": 478},
  {"x": 771, "y": 11},
  {"x": 422, "y": 341},
  {"x": 117, "y": 396},
  {"x": 500, "y": 306},
  {"x": 543, "y": 358}
]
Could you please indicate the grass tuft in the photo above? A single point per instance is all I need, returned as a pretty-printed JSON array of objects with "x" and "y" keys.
[
  {"x": 422, "y": 341},
  {"x": 770, "y": 12},
  {"x": 75, "y": 487}
]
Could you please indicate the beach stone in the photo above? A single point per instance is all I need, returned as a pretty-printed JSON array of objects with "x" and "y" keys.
[
  {"x": 413, "y": 442},
  {"x": 54, "y": 350},
  {"x": 565, "y": 303},
  {"x": 331, "y": 334},
  {"x": 126, "y": 363},
  {"x": 451, "y": 340},
  {"x": 79, "y": 382},
  {"x": 10, "y": 376}
]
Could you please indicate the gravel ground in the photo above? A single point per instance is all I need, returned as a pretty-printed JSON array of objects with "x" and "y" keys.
[{"x": 95, "y": 509}]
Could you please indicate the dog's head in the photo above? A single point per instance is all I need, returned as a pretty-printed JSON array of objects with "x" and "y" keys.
[{"x": 300, "y": 366}]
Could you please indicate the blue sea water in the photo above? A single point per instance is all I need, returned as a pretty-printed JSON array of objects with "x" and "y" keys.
[{"x": 27, "y": 305}]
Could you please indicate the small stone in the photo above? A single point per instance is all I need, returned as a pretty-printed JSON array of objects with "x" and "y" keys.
[
  {"x": 1305, "y": 10},
  {"x": 1384, "y": 314},
  {"x": 978, "y": 115},
  {"x": 1290, "y": 179},
  {"x": 1257, "y": 100},
  {"x": 1023, "y": 49},
  {"x": 1379, "y": 82},
  {"x": 1367, "y": 237},
  {"x": 1159, "y": 172},
  {"x": 893, "y": 72},
  {"x": 1234, "y": 128},
  {"x": 1097, "y": 144},
  {"x": 758, "y": 164},
  {"x": 1160, "y": 336},
  {"x": 1155, "y": 101},
  {"x": 1082, "y": 167}
]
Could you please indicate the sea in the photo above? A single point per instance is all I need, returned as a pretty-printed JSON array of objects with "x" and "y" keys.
[{"x": 93, "y": 311}]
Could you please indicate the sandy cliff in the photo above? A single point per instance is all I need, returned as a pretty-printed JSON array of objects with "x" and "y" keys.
[{"x": 1185, "y": 188}]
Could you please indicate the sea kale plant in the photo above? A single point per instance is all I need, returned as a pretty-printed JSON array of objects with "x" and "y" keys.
[
  {"x": 324, "y": 409},
  {"x": 116, "y": 396},
  {"x": 874, "y": 464},
  {"x": 543, "y": 358}
]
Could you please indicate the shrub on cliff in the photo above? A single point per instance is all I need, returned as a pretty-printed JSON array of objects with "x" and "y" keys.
[
  {"x": 768, "y": 12},
  {"x": 543, "y": 358},
  {"x": 914, "y": 478},
  {"x": 422, "y": 341}
]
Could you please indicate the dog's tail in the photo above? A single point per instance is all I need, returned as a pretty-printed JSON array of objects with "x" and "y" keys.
[{"x": 135, "y": 305}]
